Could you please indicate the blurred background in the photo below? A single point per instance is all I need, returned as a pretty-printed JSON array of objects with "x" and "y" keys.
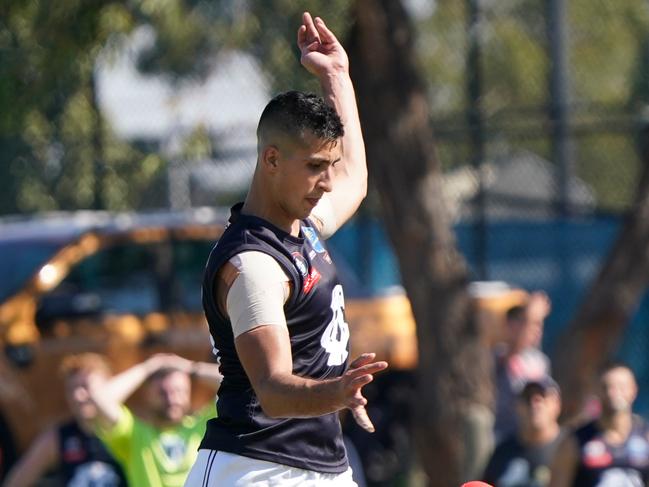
[{"x": 148, "y": 109}]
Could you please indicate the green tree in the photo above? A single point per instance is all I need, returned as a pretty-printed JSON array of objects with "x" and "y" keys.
[{"x": 58, "y": 150}]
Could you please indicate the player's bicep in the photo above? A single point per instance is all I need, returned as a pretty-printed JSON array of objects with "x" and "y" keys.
[
  {"x": 265, "y": 353},
  {"x": 257, "y": 295},
  {"x": 255, "y": 306}
]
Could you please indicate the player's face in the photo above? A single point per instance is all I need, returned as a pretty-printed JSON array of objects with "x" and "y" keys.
[
  {"x": 170, "y": 396},
  {"x": 618, "y": 390},
  {"x": 305, "y": 173},
  {"x": 77, "y": 395},
  {"x": 539, "y": 408}
]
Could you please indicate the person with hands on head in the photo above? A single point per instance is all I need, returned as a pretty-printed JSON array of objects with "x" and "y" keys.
[
  {"x": 158, "y": 448},
  {"x": 272, "y": 298}
]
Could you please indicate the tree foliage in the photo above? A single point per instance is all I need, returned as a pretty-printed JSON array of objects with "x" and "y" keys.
[{"x": 58, "y": 152}]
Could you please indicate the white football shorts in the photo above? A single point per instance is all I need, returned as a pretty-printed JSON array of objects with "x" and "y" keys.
[{"x": 221, "y": 469}]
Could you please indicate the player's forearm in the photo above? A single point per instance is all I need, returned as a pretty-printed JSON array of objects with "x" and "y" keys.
[
  {"x": 298, "y": 397},
  {"x": 338, "y": 91}
]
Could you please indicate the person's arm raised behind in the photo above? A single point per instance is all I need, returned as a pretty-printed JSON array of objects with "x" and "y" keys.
[
  {"x": 323, "y": 56},
  {"x": 110, "y": 396}
]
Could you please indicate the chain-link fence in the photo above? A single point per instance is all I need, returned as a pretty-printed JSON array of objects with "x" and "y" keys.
[
  {"x": 535, "y": 105},
  {"x": 535, "y": 108}
]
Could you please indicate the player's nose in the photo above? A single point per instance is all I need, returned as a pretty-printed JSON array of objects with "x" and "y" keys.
[{"x": 325, "y": 183}]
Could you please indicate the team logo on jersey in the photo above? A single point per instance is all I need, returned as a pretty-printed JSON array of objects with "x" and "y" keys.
[
  {"x": 313, "y": 239},
  {"x": 73, "y": 450},
  {"x": 309, "y": 273},
  {"x": 312, "y": 236},
  {"x": 301, "y": 263},
  {"x": 174, "y": 448},
  {"x": 94, "y": 473},
  {"x": 595, "y": 454},
  {"x": 311, "y": 280}
]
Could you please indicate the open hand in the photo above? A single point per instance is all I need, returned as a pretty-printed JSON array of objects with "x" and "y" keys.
[{"x": 359, "y": 374}]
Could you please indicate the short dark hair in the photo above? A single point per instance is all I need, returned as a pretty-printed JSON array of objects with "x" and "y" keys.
[
  {"x": 613, "y": 364},
  {"x": 515, "y": 312},
  {"x": 295, "y": 112},
  {"x": 163, "y": 372},
  {"x": 84, "y": 363}
]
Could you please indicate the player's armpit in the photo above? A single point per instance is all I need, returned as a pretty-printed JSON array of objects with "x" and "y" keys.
[{"x": 324, "y": 217}]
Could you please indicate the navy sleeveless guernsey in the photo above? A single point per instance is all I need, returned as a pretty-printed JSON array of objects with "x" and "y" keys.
[
  {"x": 604, "y": 465},
  {"x": 85, "y": 461},
  {"x": 319, "y": 344}
]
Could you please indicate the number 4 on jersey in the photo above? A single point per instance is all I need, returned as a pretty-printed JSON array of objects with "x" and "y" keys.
[{"x": 336, "y": 335}]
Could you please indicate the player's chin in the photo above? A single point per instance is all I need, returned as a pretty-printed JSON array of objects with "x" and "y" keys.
[{"x": 305, "y": 213}]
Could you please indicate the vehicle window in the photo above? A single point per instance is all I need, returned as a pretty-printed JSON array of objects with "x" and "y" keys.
[
  {"x": 190, "y": 257},
  {"x": 121, "y": 279},
  {"x": 19, "y": 261}
]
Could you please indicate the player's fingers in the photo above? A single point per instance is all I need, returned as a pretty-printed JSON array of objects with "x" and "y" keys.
[
  {"x": 313, "y": 46},
  {"x": 326, "y": 36},
  {"x": 361, "y": 381},
  {"x": 301, "y": 36},
  {"x": 371, "y": 368},
  {"x": 362, "y": 418},
  {"x": 312, "y": 33},
  {"x": 363, "y": 359}
]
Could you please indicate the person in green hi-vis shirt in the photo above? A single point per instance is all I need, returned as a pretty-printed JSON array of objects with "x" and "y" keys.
[{"x": 159, "y": 448}]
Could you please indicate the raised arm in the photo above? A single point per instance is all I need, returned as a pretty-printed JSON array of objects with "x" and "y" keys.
[
  {"x": 110, "y": 396},
  {"x": 323, "y": 56},
  {"x": 41, "y": 456}
]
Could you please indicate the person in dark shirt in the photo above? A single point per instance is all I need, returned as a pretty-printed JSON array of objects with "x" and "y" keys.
[
  {"x": 71, "y": 448},
  {"x": 613, "y": 450},
  {"x": 272, "y": 297},
  {"x": 519, "y": 359},
  {"x": 523, "y": 458}
]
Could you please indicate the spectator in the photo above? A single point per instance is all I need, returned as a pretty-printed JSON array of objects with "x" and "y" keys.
[
  {"x": 520, "y": 360},
  {"x": 613, "y": 450},
  {"x": 158, "y": 449},
  {"x": 523, "y": 459},
  {"x": 79, "y": 457}
]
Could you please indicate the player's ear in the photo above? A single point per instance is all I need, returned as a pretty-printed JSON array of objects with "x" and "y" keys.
[{"x": 270, "y": 158}]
